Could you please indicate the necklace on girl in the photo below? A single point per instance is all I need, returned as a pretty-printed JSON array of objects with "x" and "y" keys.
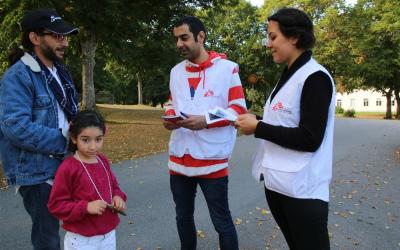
[
  {"x": 91, "y": 179},
  {"x": 109, "y": 205}
]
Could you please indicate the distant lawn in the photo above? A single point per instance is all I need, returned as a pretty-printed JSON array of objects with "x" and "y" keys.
[
  {"x": 367, "y": 115},
  {"x": 371, "y": 113},
  {"x": 133, "y": 131}
]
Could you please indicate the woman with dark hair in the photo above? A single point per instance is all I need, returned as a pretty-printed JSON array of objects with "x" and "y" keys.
[{"x": 294, "y": 157}]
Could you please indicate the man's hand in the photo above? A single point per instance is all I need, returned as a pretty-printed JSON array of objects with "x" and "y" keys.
[
  {"x": 246, "y": 123},
  {"x": 96, "y": 207},
  {"x": 194, "y": 122},
  {"x": 170, "y": 125}
]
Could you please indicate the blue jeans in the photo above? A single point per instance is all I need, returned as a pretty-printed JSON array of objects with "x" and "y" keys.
[
  {"x": 216, "y": 194},
  {"x": 45, "y": 227}
]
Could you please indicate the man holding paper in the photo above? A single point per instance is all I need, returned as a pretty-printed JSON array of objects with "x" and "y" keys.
[{"x": 200, "y": 148}]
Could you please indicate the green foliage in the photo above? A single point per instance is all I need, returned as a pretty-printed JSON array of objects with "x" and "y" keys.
[
  {"x": 105, "y": 96},
  {"x": 255, "y": 100},
  {"x": 359, "y": 44},
  {"x": 11, "y": 13},
  {"x": 378, "y": 45},
  {"x": 316, "y": 9},
  {"x": 339, "y": 110},
  {"x": 349, "y": 113},
  {"x": 129, "y": 35},
  {"x": 237, "y": 31}
]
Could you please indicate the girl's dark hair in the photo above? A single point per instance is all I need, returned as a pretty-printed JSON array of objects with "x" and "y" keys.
[
  {"x": 85, "y": 119},
  {"x": 295, "y": 23},
  {"x": 17, "y": 52},
  {"x": 195, "y": 25}
]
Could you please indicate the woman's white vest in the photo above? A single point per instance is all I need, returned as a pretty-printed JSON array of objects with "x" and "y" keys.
[
  {"x": 212, "y": 91},
  {"x": 290, "y": 172}
]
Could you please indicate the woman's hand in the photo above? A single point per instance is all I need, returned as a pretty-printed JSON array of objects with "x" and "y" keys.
[{"x": 246, "y": 123}]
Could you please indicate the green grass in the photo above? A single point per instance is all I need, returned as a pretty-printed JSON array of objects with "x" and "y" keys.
[{"x": 369, "y": 115}]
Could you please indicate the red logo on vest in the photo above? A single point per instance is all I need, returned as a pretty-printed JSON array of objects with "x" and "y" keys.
[
  {"x": 277, "y": 106},
  {"x": 209, "y": 93}
]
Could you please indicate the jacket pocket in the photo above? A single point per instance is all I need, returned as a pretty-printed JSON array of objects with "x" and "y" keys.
[
  {"x": 284, "y": 159},
  {"x": 41, "y": 109},
  {"x": 30, "y": 163},
  {"x": 21, "y": 163},
  {"x": 293, "y": 184},
  {"x": 41, "y": 102},
  {"x": 177, "y": 142},
  {"x": 215, "y": 143},
  {"x": 286, "y": 169}
]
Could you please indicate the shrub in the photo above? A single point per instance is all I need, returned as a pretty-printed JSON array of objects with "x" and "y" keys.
[
  {"x": 339, "y": 110},
  {"x": 255, "y": 99},
  {"x": 349, "y": 113},
  {"x": 105, "y": 96}
]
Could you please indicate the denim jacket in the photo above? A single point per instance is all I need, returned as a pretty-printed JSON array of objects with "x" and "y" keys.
[{"x": 31, "y": 143}]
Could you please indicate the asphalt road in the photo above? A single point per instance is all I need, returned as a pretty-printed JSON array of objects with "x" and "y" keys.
[{"x": 364, "y": 207}]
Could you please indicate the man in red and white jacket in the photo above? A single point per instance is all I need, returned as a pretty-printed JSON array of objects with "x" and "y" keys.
[{"x": 199, "y": 152}]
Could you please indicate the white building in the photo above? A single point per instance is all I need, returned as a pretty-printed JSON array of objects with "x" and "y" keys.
[{"x": 364, "y": 101}]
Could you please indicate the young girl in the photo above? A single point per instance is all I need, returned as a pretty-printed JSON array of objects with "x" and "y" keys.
[{"x": 85, "y": 194}]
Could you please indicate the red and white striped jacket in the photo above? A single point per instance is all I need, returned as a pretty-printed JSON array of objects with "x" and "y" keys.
[{"x": 195, "y": 89}]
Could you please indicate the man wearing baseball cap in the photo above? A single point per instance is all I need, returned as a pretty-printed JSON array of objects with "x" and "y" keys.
[{"x": 37, "y": 100}]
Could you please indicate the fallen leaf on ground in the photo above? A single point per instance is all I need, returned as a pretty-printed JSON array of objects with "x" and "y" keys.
[
  {"x": 264, "y": 211},
  {"x": 238, "y": 221},
  {"x": 201, "y": 234}
]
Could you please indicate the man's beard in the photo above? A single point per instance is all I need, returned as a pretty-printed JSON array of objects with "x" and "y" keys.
[
  {"x": 50, "y": 54},
  {"x": 188, "y": 54},
  {"x": 185, "y": 53}
]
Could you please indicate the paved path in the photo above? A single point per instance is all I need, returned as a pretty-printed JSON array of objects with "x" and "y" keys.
[{"x": 364, "y": 208}]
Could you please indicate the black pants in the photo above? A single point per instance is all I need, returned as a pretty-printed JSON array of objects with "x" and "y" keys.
[
  {"x": 303, "y": 222},
  {"x": 216, "y": 194},
  {"x": 45, "y": 227}
]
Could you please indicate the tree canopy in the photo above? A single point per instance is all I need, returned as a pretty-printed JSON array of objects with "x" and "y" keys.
[{"x": 126, "y": 48}]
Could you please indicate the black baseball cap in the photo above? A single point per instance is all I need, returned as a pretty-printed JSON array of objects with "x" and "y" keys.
[{"x": 48, "y": 19}]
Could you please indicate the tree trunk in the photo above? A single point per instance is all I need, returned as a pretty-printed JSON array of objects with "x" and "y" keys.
[
  {"x": 139, "y": 88},
  {"x": 388, "y": 104},
  {"x": 88, "y": 51},
  {"x": 397, "y": 97}
]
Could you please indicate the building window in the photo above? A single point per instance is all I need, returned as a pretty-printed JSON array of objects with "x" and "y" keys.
[
  {"x": 378, "y": 102},
  {"x": 339, "y": 103},
  {"x": 365, "y": 102},
  {"x": 352, "y": 103},
  {"x": 392, "y": 102}
]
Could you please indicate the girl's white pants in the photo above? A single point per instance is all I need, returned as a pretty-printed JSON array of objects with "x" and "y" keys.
[{"x": 73, "y": 241}]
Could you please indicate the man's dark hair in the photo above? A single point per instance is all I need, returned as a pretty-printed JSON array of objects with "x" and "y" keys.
[
  {"x": 195, "y": 25},
  {"x": 295, "y": 23},
  {"x": 17, "y": 52},
  {"x": 38, "y": 20}
]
